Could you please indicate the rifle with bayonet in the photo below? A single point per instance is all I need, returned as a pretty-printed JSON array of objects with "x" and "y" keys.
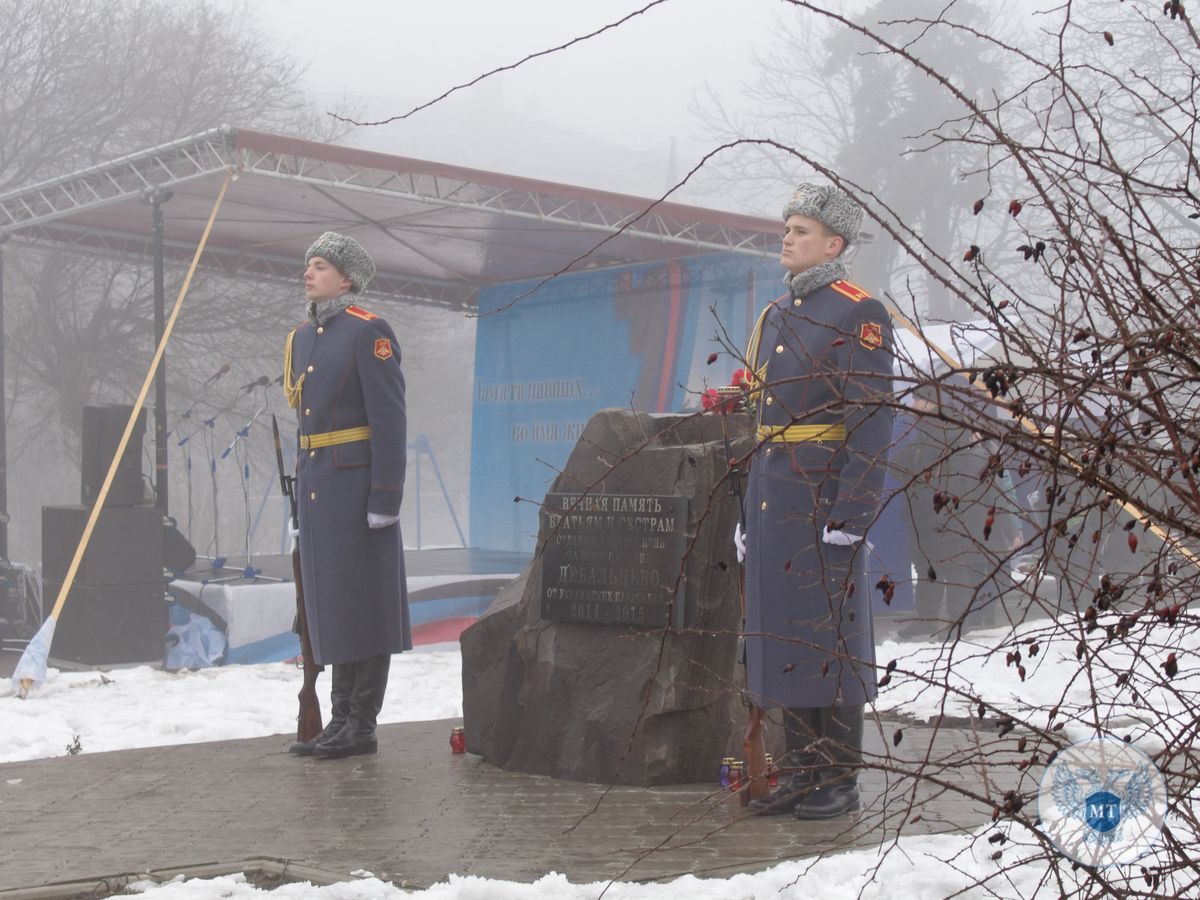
[
  {"x": 308, "y": 722},
  {"x": 754, "y": 751}
]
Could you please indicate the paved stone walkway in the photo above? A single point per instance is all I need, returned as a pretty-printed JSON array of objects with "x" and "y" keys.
[{"x": 416, "y": 813}]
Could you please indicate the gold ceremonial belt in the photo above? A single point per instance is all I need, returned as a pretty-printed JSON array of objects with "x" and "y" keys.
[
  {"x": 331, "y": 438},
  {"x": 801, "y": 434}
]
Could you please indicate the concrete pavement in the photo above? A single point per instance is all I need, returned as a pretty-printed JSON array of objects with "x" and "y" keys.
[{"x": 415, "y": 813}]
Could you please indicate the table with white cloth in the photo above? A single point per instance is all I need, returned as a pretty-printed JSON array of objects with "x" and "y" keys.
[{"x": 258, "y": 615}]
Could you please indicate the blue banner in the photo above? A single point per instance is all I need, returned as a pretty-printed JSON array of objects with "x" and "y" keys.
[{"x": 548, "y": 356}]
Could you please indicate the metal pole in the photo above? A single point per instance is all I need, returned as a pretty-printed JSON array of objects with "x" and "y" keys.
[
  {"x": 3, "y": 422},
  {"x": 418, "y": 496},
  {"x": 422, "y": 444},
  {"x": 156, "y": 199}
]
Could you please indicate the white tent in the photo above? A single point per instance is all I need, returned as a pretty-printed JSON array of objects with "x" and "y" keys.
[{"x": 966, "y": 342}]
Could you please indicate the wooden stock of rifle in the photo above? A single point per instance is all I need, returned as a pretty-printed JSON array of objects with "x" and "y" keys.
[
  {"x": 754, "y": 752},
  {"x": 308, "y": 721}
]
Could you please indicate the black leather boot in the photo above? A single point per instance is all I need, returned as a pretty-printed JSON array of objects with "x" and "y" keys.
[
  {"x": 357, "y": 736},
  {"x": 834, "y": 789},
  {"x": 342, "y": 685},
  {"x": 801, "y": 727}
]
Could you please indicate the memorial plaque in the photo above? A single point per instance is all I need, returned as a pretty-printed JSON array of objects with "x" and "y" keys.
[{"x": 614, "y": 559}]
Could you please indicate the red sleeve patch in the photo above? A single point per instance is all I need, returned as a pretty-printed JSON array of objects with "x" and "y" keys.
[
  {"x": 361, "y": 313},
  {"x": 870, "y": 335},
  {"x": 383, "y": 348}
]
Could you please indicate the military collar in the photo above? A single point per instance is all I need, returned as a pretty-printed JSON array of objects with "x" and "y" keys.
[
  {"x": 321, "y": 313},
  {"x": 804, "y": 283}
]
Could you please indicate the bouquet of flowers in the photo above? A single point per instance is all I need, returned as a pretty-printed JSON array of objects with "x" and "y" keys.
[{"x": 735, "y": 397}]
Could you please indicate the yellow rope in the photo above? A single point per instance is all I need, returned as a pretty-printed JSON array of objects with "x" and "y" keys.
[
  {"x": 757, "y": 376},
  {"x": 291, "y": 389}
]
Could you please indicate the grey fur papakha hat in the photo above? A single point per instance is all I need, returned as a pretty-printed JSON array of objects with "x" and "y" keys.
[
  {"x": 830, "y": 206},
  {"x": 347, "y": 255}
]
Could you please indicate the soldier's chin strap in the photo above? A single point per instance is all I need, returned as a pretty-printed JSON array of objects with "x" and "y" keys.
[{"x": 291, "y": 389}]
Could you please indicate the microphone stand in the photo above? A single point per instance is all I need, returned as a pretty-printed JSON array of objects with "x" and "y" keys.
[
  {"x": 186, "y": 415},
  {"x": 185, "y": 448},
  {"x": 208, "y": 429},
  {"x": 217, "y": 561},
  {"x": 249, "y": 572}
]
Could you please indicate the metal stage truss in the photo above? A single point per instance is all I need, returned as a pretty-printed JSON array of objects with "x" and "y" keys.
[{"x": 438, "y": 232}]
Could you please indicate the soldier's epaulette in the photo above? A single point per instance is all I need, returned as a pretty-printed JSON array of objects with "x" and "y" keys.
[
  {"x": 853, "y": 291},
  {"x": 361, "y": 313}
]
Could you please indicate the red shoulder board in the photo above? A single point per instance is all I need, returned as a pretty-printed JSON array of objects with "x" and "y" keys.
[
  {"x": 361, "y": 313},
  {"x": 853, "y": 291}
]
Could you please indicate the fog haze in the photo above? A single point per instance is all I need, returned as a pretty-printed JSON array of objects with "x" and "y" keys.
[
  {"x": 602, "y": 113},
  {"x": 631, "y": 110}
]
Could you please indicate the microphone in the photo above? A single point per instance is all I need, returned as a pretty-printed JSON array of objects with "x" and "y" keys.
[
  {"x": 221, "y": 371},
  {"x": 260, "y": 381}
]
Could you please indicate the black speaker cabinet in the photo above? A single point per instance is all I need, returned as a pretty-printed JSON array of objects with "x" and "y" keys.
[
  {"x": 115, "y": 623},
  {"x": 126, "y": 546},
  {"x": 102, "y": 430}
]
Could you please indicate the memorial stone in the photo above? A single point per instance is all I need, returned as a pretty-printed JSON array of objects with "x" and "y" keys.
[{"x": 590, "y": 695}]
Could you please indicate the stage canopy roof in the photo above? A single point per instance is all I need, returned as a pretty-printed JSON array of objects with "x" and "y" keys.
[{"x": 437, "y": 232}]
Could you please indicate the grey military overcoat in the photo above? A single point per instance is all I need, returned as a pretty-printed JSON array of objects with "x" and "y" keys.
[
  {"x": 827, "y": 357},
  {"x": 354, "y": 587}
]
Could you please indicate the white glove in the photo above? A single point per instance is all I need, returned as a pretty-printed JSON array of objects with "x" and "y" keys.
[
  {"x": 294, "y": 534},
  {"x": 840, "y": 538},
  {"x": 739, "y": 541},
  {"x": 379, "y": 520}
]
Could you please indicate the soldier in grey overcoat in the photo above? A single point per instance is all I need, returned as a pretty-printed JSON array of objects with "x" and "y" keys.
[
  {"x": 342, "y": 375},
  {"x": 943, "y": 455},
  {"x": 821, "y": 358}
]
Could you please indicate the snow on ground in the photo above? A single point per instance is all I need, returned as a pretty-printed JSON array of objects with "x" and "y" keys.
[
  {"x": 144, "y": 707},
  {"x": 976, "y": 667},
  {"x": 915, "y": 869},
  {"x": 141, "y": 706}
]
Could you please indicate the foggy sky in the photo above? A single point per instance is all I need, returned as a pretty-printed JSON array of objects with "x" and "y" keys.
[{"x": 632, "y": 86}]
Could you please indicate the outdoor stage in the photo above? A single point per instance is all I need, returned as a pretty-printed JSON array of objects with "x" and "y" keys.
[{"x": 447, "y": 590}]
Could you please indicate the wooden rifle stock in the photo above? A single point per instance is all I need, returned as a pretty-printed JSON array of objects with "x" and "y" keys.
[
  {"x": 754, "y": 751},
  {"x": 308, "y": 721}
]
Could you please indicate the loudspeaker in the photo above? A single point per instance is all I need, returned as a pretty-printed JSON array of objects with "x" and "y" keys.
[
  {"x": 126, "y": 546},
  {"x": 116, "y": 623},
  {"x": 102, "y": 430},
  {"x": 178, "y": 552}
]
